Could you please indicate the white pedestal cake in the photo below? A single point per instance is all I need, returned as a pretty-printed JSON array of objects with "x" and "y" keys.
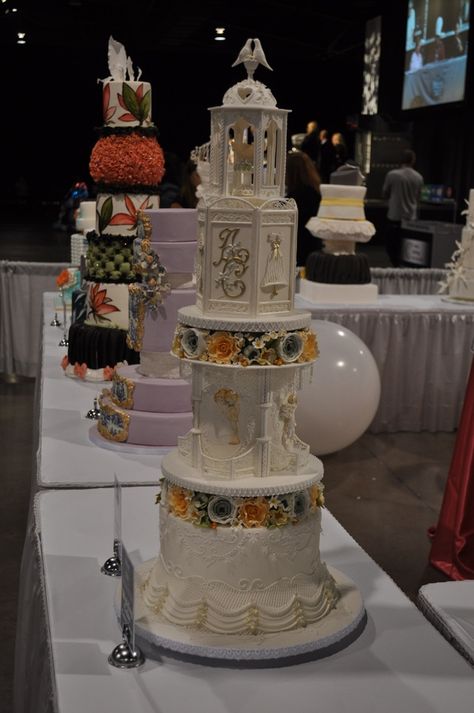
[
  {"x": 239, "y": 575},
  {"x": 338, "y": 274},
  {"x": 459, "y": 284}
]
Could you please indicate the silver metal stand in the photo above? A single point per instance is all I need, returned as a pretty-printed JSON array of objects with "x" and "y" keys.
[
  {"x": 124, "y": 656},
  {"x": 94, "y": 413},
  {"x": 64, "y": 341},
  {"x": 113, "y": 567}
]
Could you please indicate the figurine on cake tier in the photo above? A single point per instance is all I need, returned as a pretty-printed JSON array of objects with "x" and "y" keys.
[
  {"x": 459, "y": 283},
  {"x": 149, "y": 404},
  {"x": 337, "y": 273},
  {"x": 127, "y": 165},
  {"x": 239, "y": 574}
]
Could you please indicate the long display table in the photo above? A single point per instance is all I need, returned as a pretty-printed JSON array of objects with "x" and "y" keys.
[
  {"x": 66, "y": 455},
  {"x": 420, "y": 343},
  {"x": 422, "y": 346},
  {"x": 399, "y": 663}
]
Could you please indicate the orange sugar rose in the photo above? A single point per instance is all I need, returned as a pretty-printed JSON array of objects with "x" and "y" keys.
[
  {"x": 63, "y": 278},
  {"x": 310, "y": 348},
  {"x": 254, "y": 512},
  {"x": 221, "y": 348},
  {"x": 178, "y": 501}
]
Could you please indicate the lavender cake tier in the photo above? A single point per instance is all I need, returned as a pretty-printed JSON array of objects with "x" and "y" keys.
[
  {"x": 159, "y": 326},
  {"x": 174, "y": 225},
  {"x": 132, "y": 390},
  {"x": 141, "y": 428}
]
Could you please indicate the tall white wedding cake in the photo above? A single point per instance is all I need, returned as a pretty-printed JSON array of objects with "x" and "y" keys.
[
  {"x": 459, "y": 284},
  {"x": 239, "y": 574}
]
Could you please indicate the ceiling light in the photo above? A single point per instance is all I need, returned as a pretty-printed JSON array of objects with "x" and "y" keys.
[
  {"x": 21, "y": 35},
  {"x": 21, "y": 42},
  {"x": 220, "y": 33},
  {"x": 14, "y": 9}
]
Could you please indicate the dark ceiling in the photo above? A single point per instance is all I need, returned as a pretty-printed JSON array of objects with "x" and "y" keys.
[
  {"x": 305, "y": 30},
  {"x": 315, "y": 49}
]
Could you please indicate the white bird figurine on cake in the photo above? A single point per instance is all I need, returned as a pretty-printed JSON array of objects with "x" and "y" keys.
[{"x": 252, "y": 58}]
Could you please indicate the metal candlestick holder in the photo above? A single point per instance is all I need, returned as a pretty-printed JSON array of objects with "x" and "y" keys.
[
  {"x": 113, "y": 566},
  {"x": 55, "y": 321},
  {"x": 124, "y": 655},
  {"x": 64, "y": 341},
  {"x": 94, "y": 412}
]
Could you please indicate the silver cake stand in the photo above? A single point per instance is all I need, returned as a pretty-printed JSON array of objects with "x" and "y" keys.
[{"x": 157, "y": 637}]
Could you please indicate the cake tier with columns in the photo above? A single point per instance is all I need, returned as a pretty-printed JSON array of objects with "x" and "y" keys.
[
  {"x": 459, "y": 284},
  {"x": 337, "y": 273},
  {"x": 241, "y": 494},
  {"x": 127, "y": 165},
  {"x": 149, "y": 404}
]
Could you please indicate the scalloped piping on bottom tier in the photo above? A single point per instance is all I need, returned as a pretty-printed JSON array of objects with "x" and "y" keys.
[{"x": 287, "y": 603}]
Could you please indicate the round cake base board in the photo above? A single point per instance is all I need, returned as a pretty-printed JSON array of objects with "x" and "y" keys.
[
  {"x": 157, "y": 637},
  {"x": 458, "y": 301},
  {"x": 98, "y": 440}
]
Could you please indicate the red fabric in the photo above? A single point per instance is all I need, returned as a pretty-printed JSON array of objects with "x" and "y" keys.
[{"x": 452, "y": 550}]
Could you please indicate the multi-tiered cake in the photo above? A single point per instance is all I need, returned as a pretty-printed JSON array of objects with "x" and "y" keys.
[
  {"x": 459, "y": 284},
  {"x": 127, "y": 165},
  {"x": 149, "y": 404},
  {"x": 338, "y": 273},
  {"x": 239, "y": 573}
]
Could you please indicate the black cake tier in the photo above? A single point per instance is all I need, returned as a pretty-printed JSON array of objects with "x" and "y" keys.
[
  {"x": 99, "y": 347},
  {"x": 338, "y": 269}
]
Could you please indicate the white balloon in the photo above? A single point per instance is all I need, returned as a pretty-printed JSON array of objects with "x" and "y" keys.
[{"x": 339, "y": 404}]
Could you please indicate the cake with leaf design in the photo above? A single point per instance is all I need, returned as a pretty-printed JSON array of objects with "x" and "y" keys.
[
  {"x": 239, "y": 573},
  {"x": 127, "y": 165}
]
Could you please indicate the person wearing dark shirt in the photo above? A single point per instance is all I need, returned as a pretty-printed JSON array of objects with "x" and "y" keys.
[
  {"x": 169, "y": 186},
  {"x": 340, "y": 149},
  {"x": 302, "y": 184},
  {"x": 402, "y": 187},
  {"x": 311, "y": 146},
  {"x": 187, "y": 195},
  {"x": 328, "y": 156}
]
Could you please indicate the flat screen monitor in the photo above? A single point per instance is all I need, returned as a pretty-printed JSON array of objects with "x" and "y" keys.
[{"x": 436, "y": 51}]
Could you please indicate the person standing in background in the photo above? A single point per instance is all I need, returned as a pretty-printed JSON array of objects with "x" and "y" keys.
[
  {"x": 311, "y": 145},
  {"x": 328, "y": 156},
  {"x": 402, "y": 187},
  {"x": 340, "y": 149},
  {"x": 302, "y": 184}
]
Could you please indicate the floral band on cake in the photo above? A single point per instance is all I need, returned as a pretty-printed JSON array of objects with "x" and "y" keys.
[
  {"x": 274, "y": 348},
  {"x": 146, "y": 295},
  {"x": 213, "y": 511}
]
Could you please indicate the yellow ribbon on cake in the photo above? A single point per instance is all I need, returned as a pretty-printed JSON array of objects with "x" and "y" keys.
[{"x": 352, "y": 202}]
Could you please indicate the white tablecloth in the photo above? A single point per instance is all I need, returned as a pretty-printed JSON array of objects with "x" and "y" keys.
[
  {"x": 450, "y": 607},
  {"x": 66, "y": 457},
  {"x": 421, "y": 344},
  {"x": 407, "y": 281},
  {"x": 399, "y": 663},
  {"x": 21, "y": 287}
]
